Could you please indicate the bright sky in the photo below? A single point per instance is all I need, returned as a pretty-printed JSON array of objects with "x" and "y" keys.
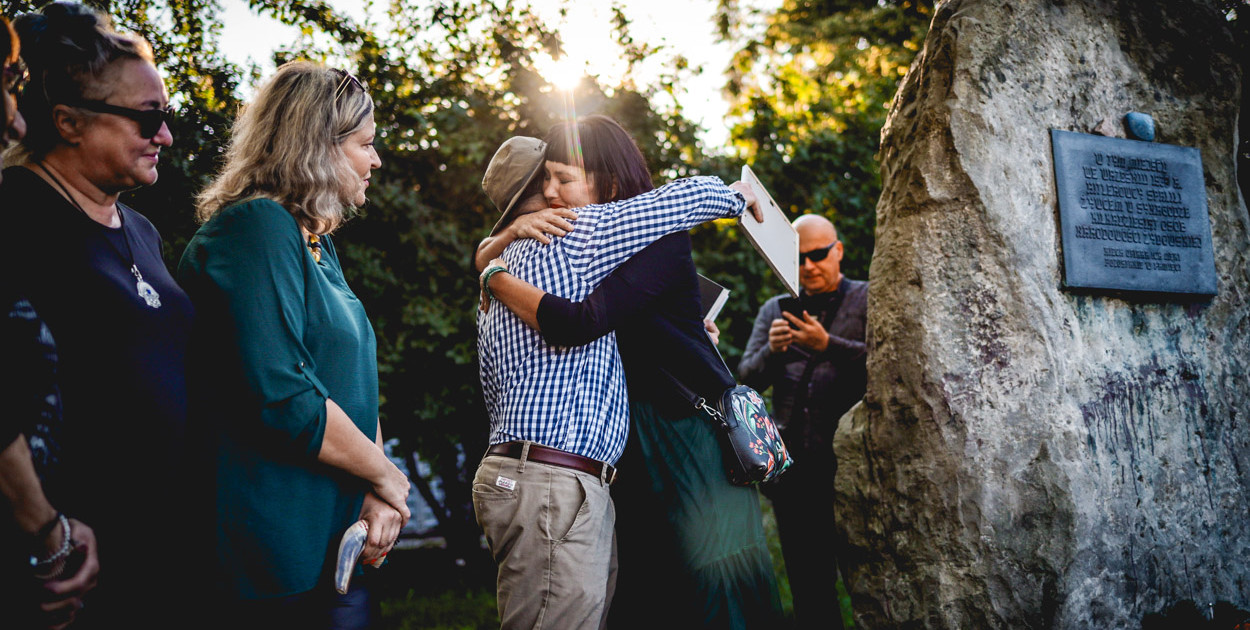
[{"x": 679, "y": 26}]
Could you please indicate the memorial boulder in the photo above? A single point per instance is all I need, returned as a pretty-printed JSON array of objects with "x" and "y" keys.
[{"x": 1034, "y": 451}]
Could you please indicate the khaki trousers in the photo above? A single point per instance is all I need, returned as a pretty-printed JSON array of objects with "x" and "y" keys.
[{"x": 551, "y": 530}]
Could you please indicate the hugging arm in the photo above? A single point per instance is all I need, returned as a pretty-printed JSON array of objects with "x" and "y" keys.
[
  {"x": 630, "y": 289},
  {"x": 540, "y": 225},
  {"x": 621, "y": 229},
  {"x": 618, "y": 231}
]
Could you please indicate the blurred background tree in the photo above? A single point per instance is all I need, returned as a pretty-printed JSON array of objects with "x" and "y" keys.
[
  {"x": 810, "y": 88},
  {"x": 452, "y": 79}
]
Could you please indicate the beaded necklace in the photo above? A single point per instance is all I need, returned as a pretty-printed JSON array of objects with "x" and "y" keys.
[{"x": 314, "y": 246}]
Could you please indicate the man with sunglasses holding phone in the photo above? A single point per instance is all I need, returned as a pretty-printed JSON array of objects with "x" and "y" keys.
[{"x": 811, "y": 351}]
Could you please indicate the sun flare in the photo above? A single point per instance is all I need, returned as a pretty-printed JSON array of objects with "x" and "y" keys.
[{"x": 564, "y": 73}]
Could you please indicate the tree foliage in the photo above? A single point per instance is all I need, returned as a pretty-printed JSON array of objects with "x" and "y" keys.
[
  {"x": 810, "y": 87},
  {"x": 812, "y": 94},
  {"x": 451, "y": 80}
]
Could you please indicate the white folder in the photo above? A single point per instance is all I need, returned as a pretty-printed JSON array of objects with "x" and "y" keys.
[{"x": 774, "y": 238}]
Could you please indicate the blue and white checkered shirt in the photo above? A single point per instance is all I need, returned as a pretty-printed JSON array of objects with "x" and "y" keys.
[{"x": 574, "y": 399}]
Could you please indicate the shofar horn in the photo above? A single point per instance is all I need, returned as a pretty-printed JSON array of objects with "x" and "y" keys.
[{"x": 349, "y": 552}]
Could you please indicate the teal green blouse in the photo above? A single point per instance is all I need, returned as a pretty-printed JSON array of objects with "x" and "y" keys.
[{"x": 279, "y": 334}]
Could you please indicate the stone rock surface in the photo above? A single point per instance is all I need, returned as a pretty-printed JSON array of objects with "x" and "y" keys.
[{"x": 1027, "y": 457}]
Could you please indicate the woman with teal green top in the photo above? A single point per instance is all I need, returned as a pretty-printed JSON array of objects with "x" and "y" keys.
[{"x": 284, "y": 368}]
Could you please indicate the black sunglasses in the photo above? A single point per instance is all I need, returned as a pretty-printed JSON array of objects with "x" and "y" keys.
[
  {"x": 150, "y": 120},
  {"x": 816, "y": 255},
  {"x": 15, "y": 78}
]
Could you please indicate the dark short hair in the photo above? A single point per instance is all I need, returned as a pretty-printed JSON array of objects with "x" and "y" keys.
[
  {"x": 607, "y": 153},
  {"x": 69, "y": 48}
]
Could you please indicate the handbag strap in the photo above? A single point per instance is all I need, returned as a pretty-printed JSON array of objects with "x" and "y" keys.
[{"x": 692, "y": 396}]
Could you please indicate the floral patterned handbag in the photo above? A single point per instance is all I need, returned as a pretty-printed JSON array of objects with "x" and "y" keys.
[{"x": 753, "y": 450}]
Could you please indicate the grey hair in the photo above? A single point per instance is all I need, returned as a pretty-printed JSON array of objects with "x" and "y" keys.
[{"x": 285, "y": 146}]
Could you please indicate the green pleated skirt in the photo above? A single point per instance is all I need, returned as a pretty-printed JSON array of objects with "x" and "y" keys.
[{"x": 691, "y": 545}]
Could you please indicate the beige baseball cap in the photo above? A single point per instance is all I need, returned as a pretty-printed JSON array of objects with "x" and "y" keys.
[{"x": 515, "y": 164}]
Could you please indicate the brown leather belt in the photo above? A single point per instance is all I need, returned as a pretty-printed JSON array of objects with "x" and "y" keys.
[{"x": 556, "y": 457}]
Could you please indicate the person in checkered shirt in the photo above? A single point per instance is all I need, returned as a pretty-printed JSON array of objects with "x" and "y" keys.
[{"x": 559, "y": 415}]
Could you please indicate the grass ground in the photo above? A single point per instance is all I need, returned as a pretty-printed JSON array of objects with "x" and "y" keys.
[{"x": 427, "y": 589}]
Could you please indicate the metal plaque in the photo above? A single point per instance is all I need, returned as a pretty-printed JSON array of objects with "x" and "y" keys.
[{"x": 1133, "y": 215}]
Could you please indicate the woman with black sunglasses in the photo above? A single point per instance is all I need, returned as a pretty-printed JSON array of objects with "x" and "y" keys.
[{"x": 92, "y": 269}]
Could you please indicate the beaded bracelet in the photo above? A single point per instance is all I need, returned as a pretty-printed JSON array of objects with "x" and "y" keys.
[
  {"x": 41, "y": 566},
  {"x": 486, "y": 274}
]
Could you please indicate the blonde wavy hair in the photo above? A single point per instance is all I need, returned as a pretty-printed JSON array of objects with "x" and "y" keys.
[{"x": 285, "y": 146}]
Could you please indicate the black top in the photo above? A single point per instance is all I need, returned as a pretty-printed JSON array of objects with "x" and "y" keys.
[
  {"x": 120, "y": 363},
  {"x": 653, "y": 303},
  {"x": 811, "y": 390}
]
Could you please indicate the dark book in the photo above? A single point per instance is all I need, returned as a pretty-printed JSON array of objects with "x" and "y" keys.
[{"x": 713, "y": 297}]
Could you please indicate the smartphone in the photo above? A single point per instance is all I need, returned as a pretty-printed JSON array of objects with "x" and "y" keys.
[{"x": 793, "y": 306}]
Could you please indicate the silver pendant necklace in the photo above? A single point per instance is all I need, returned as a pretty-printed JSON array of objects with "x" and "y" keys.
[{"x": 145, "y": 290}]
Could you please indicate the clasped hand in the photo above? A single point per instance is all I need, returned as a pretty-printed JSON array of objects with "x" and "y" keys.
[
  {"x": 64, "y": 597},
  {"x": 384, "y": 523}
]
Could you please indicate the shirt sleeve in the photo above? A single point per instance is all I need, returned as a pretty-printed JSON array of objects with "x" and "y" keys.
[
  {"x": 31, "y": 387},
  {"x": 633, "y": 287},
  {"x": 608, "y": 234},
  {"x": 256, "y": 261},
  {"x": 17, "y": 388}
]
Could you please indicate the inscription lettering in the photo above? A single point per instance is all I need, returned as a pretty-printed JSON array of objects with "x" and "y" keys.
[
  {"x": 1133, "y": 192},
  {"x": 1134, "y": 215}
]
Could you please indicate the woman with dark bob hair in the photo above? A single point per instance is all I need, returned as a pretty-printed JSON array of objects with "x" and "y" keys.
[
  {"x": 615, "y": 160},
  {"x": 285, "y": 359},
  {"x": 691, "y": 544},
  {"x": 112, "y": 454}
]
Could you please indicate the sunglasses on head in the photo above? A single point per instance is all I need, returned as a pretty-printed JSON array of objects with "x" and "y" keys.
[
  {"x": 348, "y": 80},
  {"x": 15, "y": 78},
  {"x": 816, "y": 255},
  {"x": 150, "y": 120}
]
